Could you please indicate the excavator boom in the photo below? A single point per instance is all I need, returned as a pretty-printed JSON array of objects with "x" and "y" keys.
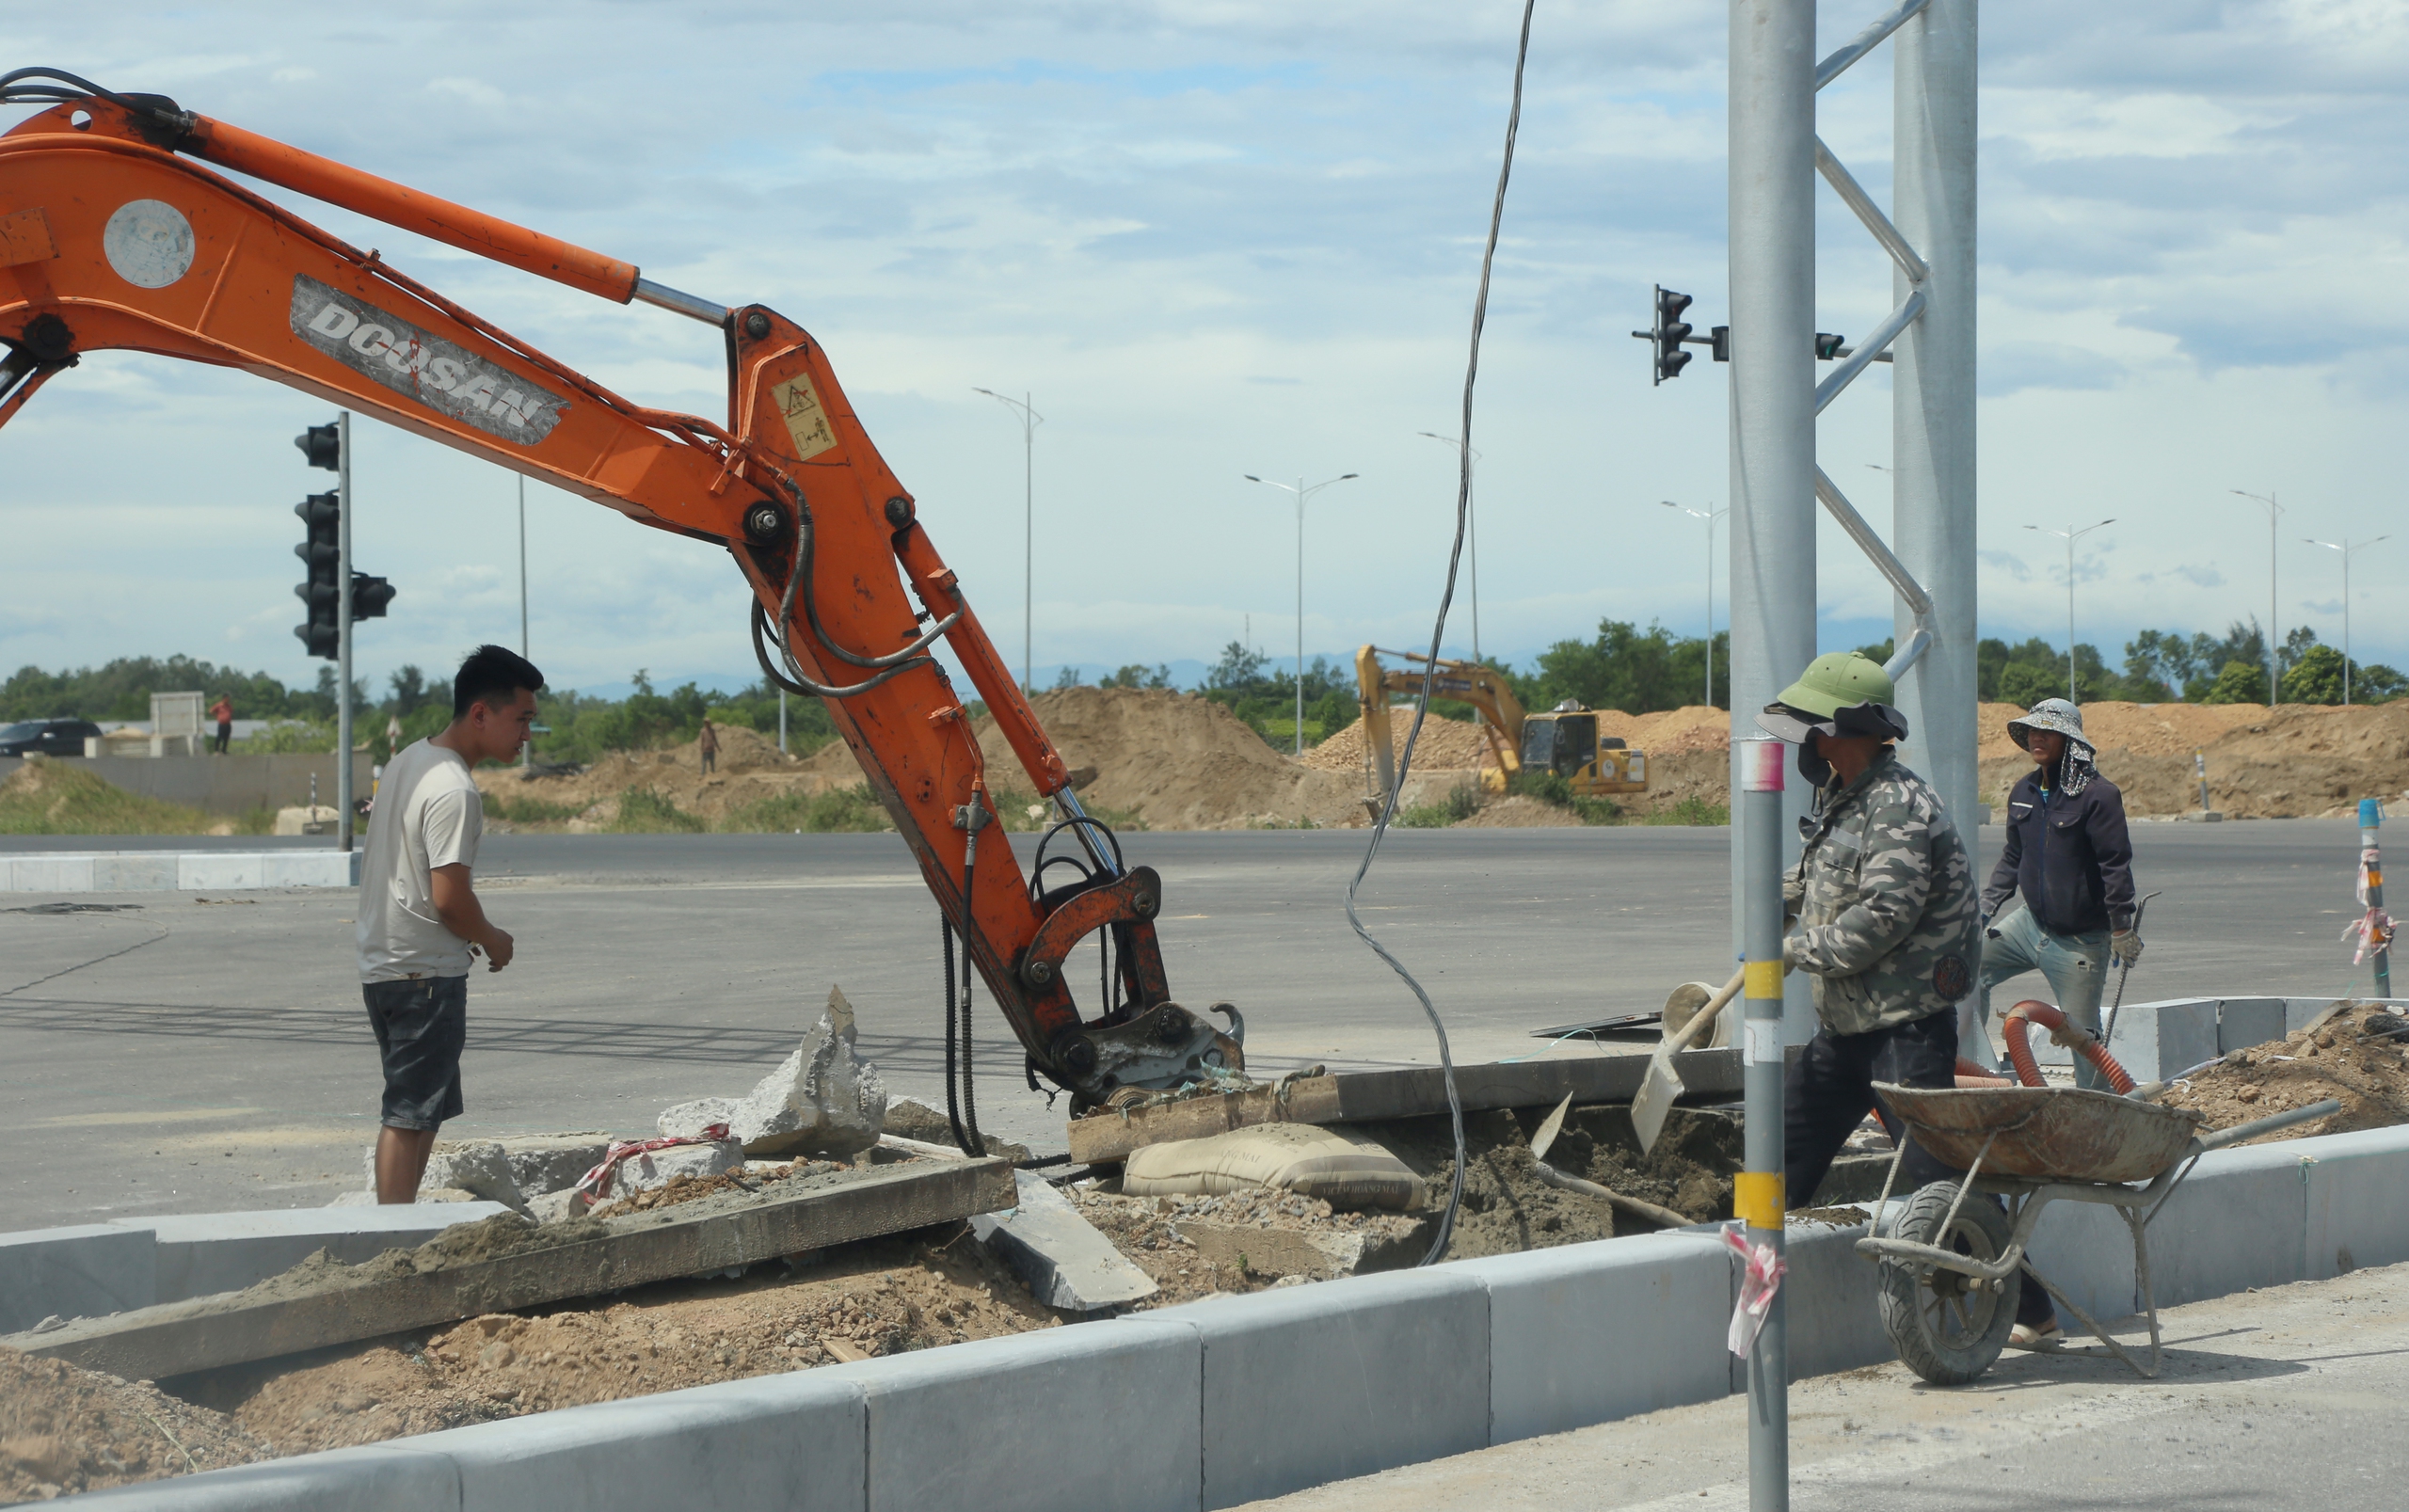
[{"x": 112, "y": 236}]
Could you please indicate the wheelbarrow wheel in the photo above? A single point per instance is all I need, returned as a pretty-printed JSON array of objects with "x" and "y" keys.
[{"x": 1948, "y": 1327}]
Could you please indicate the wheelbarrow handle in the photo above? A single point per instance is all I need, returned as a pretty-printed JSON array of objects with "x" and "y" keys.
[{"x": 2267, "y": 1125}]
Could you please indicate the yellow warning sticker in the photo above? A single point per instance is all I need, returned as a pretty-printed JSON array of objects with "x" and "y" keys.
[
  {"x": 1765, "y": 978},
  {"x": 1757, "y": 1198},
  {"x": 805, "y": 421}
]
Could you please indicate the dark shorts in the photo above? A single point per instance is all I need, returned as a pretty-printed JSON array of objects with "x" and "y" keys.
[{"x": 422, "y": 1025}]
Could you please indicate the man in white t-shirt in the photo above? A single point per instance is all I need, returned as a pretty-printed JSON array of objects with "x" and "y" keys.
[{"x": 420, "y": 920}]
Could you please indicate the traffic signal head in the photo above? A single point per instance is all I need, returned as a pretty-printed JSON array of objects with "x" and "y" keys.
[
  {"x": 321, "y": 553},
  {"x": 323, "y": 446},
  {"x": 1671, "y": 330},
  {"x": 1828, "y": 346},
  {"x": 369, "y": 596}
]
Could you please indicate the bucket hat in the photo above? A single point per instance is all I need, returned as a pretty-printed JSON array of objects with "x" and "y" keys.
[{"x": 2077, "y": 769}]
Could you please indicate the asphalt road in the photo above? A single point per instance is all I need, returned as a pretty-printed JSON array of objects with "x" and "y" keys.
[
  {"x": 191, "y": 1054},
  {"x": 2283, "y": 1398}
]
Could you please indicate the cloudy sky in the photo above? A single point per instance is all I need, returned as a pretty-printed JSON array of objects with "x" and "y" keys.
[{"x": 1215, "y": 237}]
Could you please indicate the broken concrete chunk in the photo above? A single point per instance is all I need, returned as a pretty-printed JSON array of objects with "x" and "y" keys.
[
  {"x": 557, "y": 1207},
  {"x": 688, "y": 1120},
  {"x": 823, "y": 1100},
  {"x": 541, "y": 1163},
  {"x": 1066, "y": 1263},
  {"x": 654, "y": 1167},
  {"x": 475, "y": 1166},
  {"x": 910, "y": 1119}
]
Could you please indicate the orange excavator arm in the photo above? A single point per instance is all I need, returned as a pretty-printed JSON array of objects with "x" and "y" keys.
[{"x": 112, "y": 236}]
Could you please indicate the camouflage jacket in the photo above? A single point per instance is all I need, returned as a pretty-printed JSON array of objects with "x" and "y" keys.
[{"x": 1885, "y": 903}]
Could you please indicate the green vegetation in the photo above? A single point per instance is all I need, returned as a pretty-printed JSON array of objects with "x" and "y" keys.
[
  {"x": 649, "y": 811},
  {"x": 1691, "y": 810},
  {"x": 527, "y": 810},
  {"x": 1460, "y": 803},
  {"x": 1264, "y": 696},
  {"x": 1550, "y": 788},
  {"x": 843, "y": 811},
  {"x": 52, "y": 798}
]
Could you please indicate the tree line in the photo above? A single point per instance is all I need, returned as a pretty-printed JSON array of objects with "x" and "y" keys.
[{"x": 1622, "y": 667}]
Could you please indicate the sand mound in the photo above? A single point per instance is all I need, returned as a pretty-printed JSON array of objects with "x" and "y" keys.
[
  {"x": 64, "y": 1430},
  {"x": 2349, "y": 1058},
  {"x": 1179, "y": 761},
  {"x": 1667, "y": 732},
  {"x": 1445, "y": 742},
  {"x": 750, "y": 770},
  {"x": 2300, "y": 760}
]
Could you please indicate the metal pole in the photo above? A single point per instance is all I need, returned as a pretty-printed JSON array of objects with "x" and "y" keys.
[
  {"x": 1932, "y": 404},
  {"x": 1300, "y": 614},
  {"x": 782, "y": 722},
  {"x": 1772, "y": 178},
  {"x": 527, "y": 752},
  {"x": 2274, "y": 631},
  {"x": 1758, "y": 1196},
  {"x": 2371, "y": 858},
  {"x": 1710, "y": 613},
  {"x": 1028, "y": 542},
  {"x": 2070, "y": 693},
  {"x": 2346, "y": 622},
  {"x": 342, "y": 623}
]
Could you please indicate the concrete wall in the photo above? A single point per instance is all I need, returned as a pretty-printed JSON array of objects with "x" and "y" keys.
[
  {"x": 129, "y": 871},
  {"x": 228, "y": 785},
  {"x": 1214, "y": 1403},
  {"x": 2157, "y": 1041}
]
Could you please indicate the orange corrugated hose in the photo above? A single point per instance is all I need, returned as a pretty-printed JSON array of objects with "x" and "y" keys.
[{"x": 2084, "y": 1043}]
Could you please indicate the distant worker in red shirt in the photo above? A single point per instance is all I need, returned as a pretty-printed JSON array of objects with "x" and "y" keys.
[{"x": 223, "y": 712}]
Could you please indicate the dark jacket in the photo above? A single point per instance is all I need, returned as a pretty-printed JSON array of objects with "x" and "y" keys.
[{"x": 2070, "y": 857}]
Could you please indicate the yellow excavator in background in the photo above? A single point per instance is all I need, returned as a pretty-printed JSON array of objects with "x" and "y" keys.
[{"x": 1563, "y": 739}]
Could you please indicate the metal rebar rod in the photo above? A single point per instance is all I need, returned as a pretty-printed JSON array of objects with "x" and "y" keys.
[{"x": 1884, "y": 562}]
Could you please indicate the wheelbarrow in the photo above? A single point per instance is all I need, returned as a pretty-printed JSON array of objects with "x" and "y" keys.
[{"x": 1952, "y": 1268}]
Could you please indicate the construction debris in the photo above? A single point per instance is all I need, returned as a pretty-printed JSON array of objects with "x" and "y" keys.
[
  {"x": 2360, "y": 1055},
  {"x": 823, "y": 1100},
  {"x": 1064, "y": 1262},
  {"x": 505, "y": 1262}
]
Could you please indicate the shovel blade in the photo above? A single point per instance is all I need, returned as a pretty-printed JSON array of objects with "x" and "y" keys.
[{"x": 1658, "y": 1089}]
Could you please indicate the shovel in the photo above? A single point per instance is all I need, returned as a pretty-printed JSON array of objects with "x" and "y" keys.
[
  {"x": 2110, "y": 1030},
  {"x": 1663, "y": 1084}
]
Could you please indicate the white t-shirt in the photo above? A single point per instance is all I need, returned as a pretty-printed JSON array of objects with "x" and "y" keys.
[{"x": 427, "y": 814}]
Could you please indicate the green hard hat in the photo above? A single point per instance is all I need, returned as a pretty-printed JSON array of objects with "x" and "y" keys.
[
  {"x": 1840, "y": 693},
  {"x": 1841, "y": 679}
]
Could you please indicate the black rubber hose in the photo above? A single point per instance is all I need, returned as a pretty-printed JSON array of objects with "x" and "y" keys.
[{"x": 1429, "y": 668}]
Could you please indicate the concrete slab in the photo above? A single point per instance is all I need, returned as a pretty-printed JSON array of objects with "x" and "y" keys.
[
  {"x": 2155, "y": 1040},
  {"x": 226, "y": 871},
  {"x": 202, "y": 1254},
  {"x": 2239, "y": 1220},
  {"x": 385, "y": 1478},
  {"x": 1116, "y": 1425},
  {"x": 1659, "y": 1303},
  {"x": 48, "y": 874},
  {"x": 2243, "y": 1022},
  {"x": 658, "y": 1168},
  {"x": 1834, "y": 1310},
  {"x": 1316, "y": 1383},
  {"x": 2355, "y": 1215},
  {"x": 1061, "y": 1257},
  {"x": 134, "y": 872},
  {"x": 2086, "y": 1252},
  {"x": 792, "y": 1442},
  {"x": 541, "y": 1163},
  {"x": 81, "y": 1272}
]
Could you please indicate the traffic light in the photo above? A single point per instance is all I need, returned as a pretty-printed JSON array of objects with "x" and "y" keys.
[
  {"x": 1828, "y": 345},
  {"x": 321, "y": 553},
  {"x": 323, "y": 446},
  {"x": 1671, "y": 330},
  {"x": 369, "y": 596}
]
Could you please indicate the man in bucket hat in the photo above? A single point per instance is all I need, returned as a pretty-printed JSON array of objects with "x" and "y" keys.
[
  {"x": 1883, "y": 909},
  {"x": 2069, "y": 854}
]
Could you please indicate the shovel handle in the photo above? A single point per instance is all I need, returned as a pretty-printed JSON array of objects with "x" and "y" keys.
[{"x": 1707, "y": 1011}]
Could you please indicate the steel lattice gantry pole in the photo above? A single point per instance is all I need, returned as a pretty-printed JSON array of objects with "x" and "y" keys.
[
  {"x": 1773, "y": 391},
  {"x": 1932, "y": 396}
]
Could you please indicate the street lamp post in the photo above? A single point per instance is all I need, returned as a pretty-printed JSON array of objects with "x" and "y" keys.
[
  {"x": 2274, "y": 668},
  {"x": 2071, "y": 535},
  {"x": 1030, "y": 420},
  {"x": 1710, "y": 517},
  {"x": 1303, "y": 494},
  {"x": 2347, "y": 551},
  {"x": 1472, "y": 530}
]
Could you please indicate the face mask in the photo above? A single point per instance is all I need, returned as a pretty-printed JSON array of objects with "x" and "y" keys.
[{"x": 1811, "y": 764}]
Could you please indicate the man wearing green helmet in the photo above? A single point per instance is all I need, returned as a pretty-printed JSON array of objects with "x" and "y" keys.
[{"x": 1883, "y": 907}]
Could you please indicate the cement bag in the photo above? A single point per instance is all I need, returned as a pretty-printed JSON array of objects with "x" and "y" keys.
[{"x": 1347, "y": 1170}]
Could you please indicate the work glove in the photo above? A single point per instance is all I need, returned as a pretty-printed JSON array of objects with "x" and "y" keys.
[{"x": 2125, "y": 947}]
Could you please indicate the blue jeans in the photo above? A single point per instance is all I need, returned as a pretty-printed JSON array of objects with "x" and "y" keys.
[{"x": 2074, "y": 965}]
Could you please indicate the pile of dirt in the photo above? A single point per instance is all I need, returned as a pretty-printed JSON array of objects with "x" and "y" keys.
[
  {"x": 64, "y": 1430},
  {"x": 1445, "y": 744},
  {"x": 749, "y": 771},
  {"x": 880, "y": 1298},
  {"x": 46, "y": 797},
  {"x": 1158, "y": 1235},
  {"x": 1179, "y": 761},
  {"x": 680, "y": 1190},
  {"x": 1671, "y": 731},
  {"x": 2295, "y": 761},
  {"x": 2360, "y": 1055}
]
